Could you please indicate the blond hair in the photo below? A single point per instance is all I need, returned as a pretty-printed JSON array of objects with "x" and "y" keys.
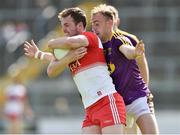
[
  {"x": 114, "y": 11},
  {"x": 104, "y": 10},
  {"x": 116, "y": 16}
]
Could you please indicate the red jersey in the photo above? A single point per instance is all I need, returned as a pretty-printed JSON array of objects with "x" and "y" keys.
[{"x": 91, "y": 73}]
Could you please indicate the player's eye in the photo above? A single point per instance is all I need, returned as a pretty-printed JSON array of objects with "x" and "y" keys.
[{"x": 96, "y": 24}]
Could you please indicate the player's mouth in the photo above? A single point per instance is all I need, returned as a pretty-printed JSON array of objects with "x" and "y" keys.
[{"x": 66, "y": 34}]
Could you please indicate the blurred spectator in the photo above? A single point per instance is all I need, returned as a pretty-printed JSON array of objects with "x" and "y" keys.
[
  {"x": 16, "y": 107},
  {"x": 8, "y": 30},
  {"x": 12, "y": 35},
  {"x": 15, "y": 35},
  {"x": 42, "y": 20}
]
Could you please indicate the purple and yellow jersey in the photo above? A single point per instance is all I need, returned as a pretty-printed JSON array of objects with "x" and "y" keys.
[
  {"x": 124, "y": 72},
  {"x": 134, "y": 40}
]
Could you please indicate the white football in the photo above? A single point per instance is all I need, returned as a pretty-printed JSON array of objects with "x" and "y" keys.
[{"x": 60, "y": 53}]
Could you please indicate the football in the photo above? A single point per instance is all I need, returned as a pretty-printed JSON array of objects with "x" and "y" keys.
[{"x": 60, "y": 53}]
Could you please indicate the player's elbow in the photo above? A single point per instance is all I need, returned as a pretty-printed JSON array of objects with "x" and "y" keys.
[
  {"x": 130, "y": 57},
  {"x": 51, "y": 72},
  {"x": 76, "y": 42},
  {"x": 50, "y": 43}
]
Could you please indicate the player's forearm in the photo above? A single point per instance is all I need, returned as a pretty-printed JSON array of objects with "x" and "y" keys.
[
  {"x": 128, "y": 51},
  {"x": 49, "y": 56},
  {"x": 68, "y": 42},
  {"x": 61, "y": 43},
  {"x": 57, "y": 67},
  {"x": 143, "y": 67}
]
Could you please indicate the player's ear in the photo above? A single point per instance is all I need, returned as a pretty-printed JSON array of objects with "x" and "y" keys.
[
  {"x": 80, "y": 26},
  {"x": 118, "y": 22},
  {"x": 110, "y": 22}
]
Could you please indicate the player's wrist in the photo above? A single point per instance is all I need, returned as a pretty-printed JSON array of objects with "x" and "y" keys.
[
  {"x": 39, "y": 55},
  {"x": 138, "y": 56},
  {"x": 36, "y": 54}
]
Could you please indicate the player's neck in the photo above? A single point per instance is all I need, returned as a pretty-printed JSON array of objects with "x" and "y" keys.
[{"x": 108, "y": 36}]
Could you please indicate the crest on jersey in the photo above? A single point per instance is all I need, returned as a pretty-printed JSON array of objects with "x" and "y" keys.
[
  {"x": 99, "y": 93},
  {"x": 111, "y": 67}
]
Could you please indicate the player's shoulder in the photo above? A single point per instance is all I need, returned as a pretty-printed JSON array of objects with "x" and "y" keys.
[
  {"x": 89, "y": 34},
  {"x": 121, "y": 39},
  {"x": 126, "y": 34},
  {"x": 92, "y": 37}
]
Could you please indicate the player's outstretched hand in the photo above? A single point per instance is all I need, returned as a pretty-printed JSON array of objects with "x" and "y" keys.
[
  {"x": 139, "y": 49},
  {"x": 30, "y": 49}
]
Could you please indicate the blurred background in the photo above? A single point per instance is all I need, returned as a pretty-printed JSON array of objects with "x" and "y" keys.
[{"x": 55, "y": 102}]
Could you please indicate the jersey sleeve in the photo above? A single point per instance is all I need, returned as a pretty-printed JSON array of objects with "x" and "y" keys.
[
  {"x": 122, "y": 40},
  {"x": 134, "y": 40},
  {"x": 92, "y": 39}
]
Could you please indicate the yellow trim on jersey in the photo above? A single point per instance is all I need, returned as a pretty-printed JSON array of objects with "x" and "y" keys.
[
  {"x": 125, "y": 40},
  {"x": 120, "y": 32},
  {"x": 111, "y": 35},
  {"x": 117, "y": 36}
]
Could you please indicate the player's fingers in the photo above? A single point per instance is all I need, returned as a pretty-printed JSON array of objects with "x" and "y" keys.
[
  {"x": 27, "y": 54},
  {"x": 27, "y": 43},
  {"x": 141, "y": 46},
  {"x": 84, "y": 52},
  {"x": 25, "y": 49},
  {"x": 82, "y": 49},
  {"x": 27, "y": 46},
  {"x": 141, "y": 41},
  {"x": 81, "y": 55},
  {"x": 78, "y": 51},
  {"x": 32, "y": 42}
]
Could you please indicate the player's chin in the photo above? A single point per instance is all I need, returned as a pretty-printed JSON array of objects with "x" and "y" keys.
[
  {"x": 67, "y": 34},
  {"x": 98, "y": 34}
]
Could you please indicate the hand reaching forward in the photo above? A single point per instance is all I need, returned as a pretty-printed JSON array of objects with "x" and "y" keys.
[{"x": 30, "y": 49}]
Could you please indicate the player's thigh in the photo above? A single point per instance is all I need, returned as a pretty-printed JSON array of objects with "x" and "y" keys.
[
  {"x": 94, "y": 129},
  {"x": 148, "y": 124},
  {"x": 132, "y": 130},
  {"x": 113, "y": 129},
  {"x": 131, "y": 126}
]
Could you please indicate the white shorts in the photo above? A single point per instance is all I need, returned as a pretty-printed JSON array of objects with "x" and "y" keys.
[
  {"x": 15, "y": 108},
  {"x": 136, "y": 109}
]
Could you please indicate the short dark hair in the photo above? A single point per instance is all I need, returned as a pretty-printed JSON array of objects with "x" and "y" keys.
[{"x": 76, "y": 13}]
